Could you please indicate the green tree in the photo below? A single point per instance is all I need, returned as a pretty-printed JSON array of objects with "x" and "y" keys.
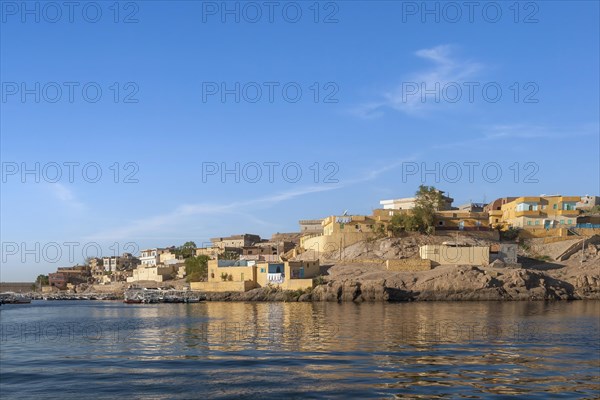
[
  {"x": 196, "y": 268},
  {"x": 421, "y": 218},
  {"x": 42, "y": 280},
  {"x": 188, "y": 249},
  {"x": 229, "y": 255},
  {"x": 403, "y": 222},
  {"x": 428, "y": 200}
]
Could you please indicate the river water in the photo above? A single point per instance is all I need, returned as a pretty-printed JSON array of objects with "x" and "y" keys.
[{"x": 83, "y": 349}]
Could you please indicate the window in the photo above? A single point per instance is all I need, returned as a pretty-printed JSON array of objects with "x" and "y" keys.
[
  {"x": 537, "y": 222},
  {"x": 262, "y": 270},
  {"x": 554, "y": 206},
  {"x": 528, "y": 222},
  {"x": 440, "y": 223},
  {"x": 569, "y": 221},
  {"x": 562, "y": 221}
]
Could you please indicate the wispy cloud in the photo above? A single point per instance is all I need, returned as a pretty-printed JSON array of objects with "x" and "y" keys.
[
  {"x": 502, "y": 132},
  {"x": 170, "y": 220},
  {"x": 411, "y": 96},
  {"x": 175, "y": 217},
  {"x": 65, "y": 195}
]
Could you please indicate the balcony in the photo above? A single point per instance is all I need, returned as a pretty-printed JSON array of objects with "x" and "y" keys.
[
  {"x": 529, "y": 213},
  {"x": 567, "y": 213},
  {"x": 275, "y": 278}
]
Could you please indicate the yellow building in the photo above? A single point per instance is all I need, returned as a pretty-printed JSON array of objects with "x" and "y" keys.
[
  {"x": 166, "y": 256},
  {"x": 342, "y": 231},
  {"x": 461, "y": 220},
  {"x": 530, "y": 212},
  {"x": 156, "y": 273},
  {"x": 243, "y": 275}
]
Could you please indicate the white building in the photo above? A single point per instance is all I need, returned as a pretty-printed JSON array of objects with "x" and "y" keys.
[
  {"x": 408, "y": 203},
  {"x": 151, "y": 257}
]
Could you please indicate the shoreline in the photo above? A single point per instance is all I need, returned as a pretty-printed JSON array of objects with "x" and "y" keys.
[{"x": 358, "y": 284}]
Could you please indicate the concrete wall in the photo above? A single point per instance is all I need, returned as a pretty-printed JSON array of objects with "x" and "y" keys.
[
  {"x": 542, "y": 232},
  {"x": 166, "y": 256},
  {"x": 333, "y": 242},
  {"x": 223, "y": 286},
  {"x": 450, "y": 255},
  {"x": 157, "y": 274},
  {"x": 297, "y": 284}
]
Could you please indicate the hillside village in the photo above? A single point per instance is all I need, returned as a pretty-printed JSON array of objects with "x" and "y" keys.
[{"x": 421, "y": 237}]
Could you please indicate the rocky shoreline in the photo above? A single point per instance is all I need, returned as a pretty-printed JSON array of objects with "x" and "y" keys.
[{"x": 449, "y": 283}]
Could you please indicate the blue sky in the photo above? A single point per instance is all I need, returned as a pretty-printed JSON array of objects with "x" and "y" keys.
[{"x": 370, "y": 124}]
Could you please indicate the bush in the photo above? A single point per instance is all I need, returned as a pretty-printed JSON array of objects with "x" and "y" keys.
[
  {"x": 197, "y": 267},
  {"x": 319, "y": 280},
  {"x": 195, "y": 277},
  {"x": 510, "y": 234}
]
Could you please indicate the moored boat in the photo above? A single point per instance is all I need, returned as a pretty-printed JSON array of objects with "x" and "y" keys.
[{"x": 14, "y": 298}]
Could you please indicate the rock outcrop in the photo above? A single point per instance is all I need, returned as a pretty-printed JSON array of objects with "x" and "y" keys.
[{"x": 459, "y": 283}]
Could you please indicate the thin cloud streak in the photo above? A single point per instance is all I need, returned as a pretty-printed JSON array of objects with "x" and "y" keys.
[
  {"x": 66, "y": 196},
  {"x": 493, "y": 133},
  {"x": 447, "y": 68},
  {"x": 171, "y": 219}
]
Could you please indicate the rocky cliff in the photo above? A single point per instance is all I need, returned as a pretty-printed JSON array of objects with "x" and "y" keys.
[{"x": 353, "y": 283}]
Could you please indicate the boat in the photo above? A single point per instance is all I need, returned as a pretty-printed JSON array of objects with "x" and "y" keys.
[{"x": 14, "y": 298}]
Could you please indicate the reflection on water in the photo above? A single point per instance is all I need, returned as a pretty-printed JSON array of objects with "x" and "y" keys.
[{"x": 414, "y": 350}]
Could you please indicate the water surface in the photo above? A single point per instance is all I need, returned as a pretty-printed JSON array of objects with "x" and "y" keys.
[{"x": 75, "y": 349}]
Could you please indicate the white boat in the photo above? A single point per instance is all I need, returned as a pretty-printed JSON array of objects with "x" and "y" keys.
[{"x": 14, "y": 298}]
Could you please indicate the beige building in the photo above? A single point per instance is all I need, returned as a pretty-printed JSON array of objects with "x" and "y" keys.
[
  {"x": 494, "y": 210},
  {"x": 236, "y": 241},
  {"x": 243, "y": 275},
  {"x": 587, "y": 202},
  {"x": 342, "y": 231},
  {"x": 118, "y": 263},
  {"x": 166, "y": 256},
  {"x": 311, "y": 226},
  {"x": 461, "y": 220},
  {"x": 153, "y": 273}
]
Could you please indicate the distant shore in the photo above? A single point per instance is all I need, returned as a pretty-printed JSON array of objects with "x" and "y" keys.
[{"x": 363, "y": 283}]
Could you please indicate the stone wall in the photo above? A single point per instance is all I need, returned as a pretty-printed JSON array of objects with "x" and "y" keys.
[
  {"x": 408, "y": 264},
  {"x": 15, "y": 287},
  {"x": 222, "y": 286}
]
